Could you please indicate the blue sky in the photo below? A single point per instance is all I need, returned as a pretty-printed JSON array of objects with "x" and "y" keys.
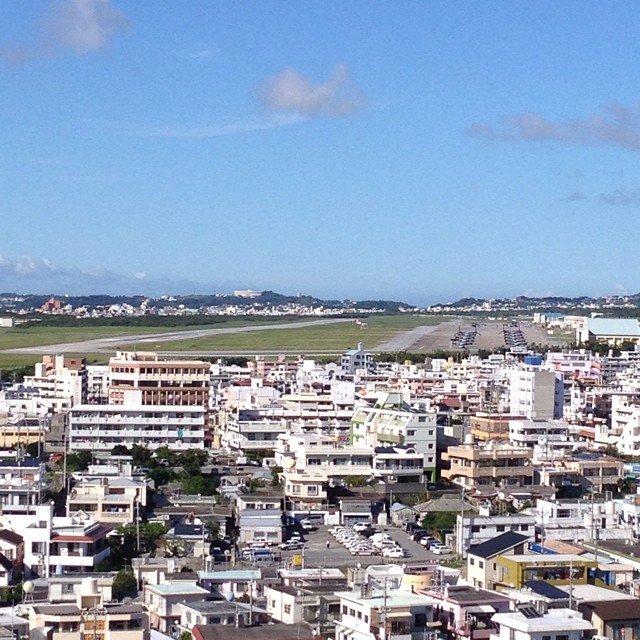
[{"x": 421, "y": 151}]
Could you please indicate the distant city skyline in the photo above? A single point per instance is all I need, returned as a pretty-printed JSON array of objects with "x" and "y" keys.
[{"x": 422, "y": 152}]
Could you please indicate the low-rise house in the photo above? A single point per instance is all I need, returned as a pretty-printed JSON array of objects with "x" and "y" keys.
[
  {"x": 529, "y": 624},
  {"x": 89, "y": 617},
  {"x": 162, "y": 602},
  {"x": 257, "y": 632},
  {"x": 261, "y": 523},
  {"x": 616, "y": 619},
  {"x": 558, "y": 569},
  {"x": 65, "y": 588},
  {"x": 464, "y": 612},
  {"x": 187, "y": 539},
  {"x": 315, "y": 604},
  {"x": 77, "y": 545},
  {"x": 378, "y": 612},
  {"x": 109, "y": 499},
  {"x": 474, "y": 529},
  {"x": 11, "y": 545},
  {"x": 237, "y": 582},
  {"x": 220, "y": 612},
  {"x": 402, "y": 514},
  {"x": 482, "y": 567}
]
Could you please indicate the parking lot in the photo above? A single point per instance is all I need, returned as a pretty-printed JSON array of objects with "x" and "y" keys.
[{"x": 317, "y": 553}]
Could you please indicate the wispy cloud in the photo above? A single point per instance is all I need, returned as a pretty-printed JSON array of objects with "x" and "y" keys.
[
  {"x": 197, "y": 54},
  {"x": 208, "y": 131},
  {"x": 621, "y": 198},
  {"x": 288, "y": 90},
  {"x": 576, "y": 196},
  {"x": 28, "y": 274},
  {"x": 78, "y": 26},
  {"x": 614, "y": 124}
]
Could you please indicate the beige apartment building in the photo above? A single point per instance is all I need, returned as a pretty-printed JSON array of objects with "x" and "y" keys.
[
  {"x": 112, "y": 500},
  {"x": 143, "y": 379},
  {"x": 490, "y": 465}
]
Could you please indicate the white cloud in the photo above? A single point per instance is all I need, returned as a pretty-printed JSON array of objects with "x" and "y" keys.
[
  {"x": 290, "y": 91},
  {"x": 83, "y": 26},
  {"x": 614, "y": 124},
  {"x": 80, "y": 26},
  {"x": 29, "y": 274}
]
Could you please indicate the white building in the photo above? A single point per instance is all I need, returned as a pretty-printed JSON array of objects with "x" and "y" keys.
[
  {"x": 61, "y": 381},
  {"x": 101, "y": 427},
  {"x": 536, "y": 395},
  {"x": 382, "y": 613},
  {"x": 560, "y": 624}
]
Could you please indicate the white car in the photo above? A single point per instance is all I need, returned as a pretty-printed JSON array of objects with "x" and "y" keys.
[
  {"x": 361, "y": 526},
  {"x": 393, "y": 552},
  {"x": 441, "y": 549}
]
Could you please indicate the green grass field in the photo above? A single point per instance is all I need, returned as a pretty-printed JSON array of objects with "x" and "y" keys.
[
  {"x": 36, "y": 335},
  {"x": 323, "y": 338}
]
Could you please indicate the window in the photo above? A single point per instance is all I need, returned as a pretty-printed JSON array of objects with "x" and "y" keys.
[
  {"x": 566, "y": 637},
  {"x": 287, "y": 608},
  {"x": 411, "y": 432},
  {"x": 481, "y": 564},
  {"x": 472, "y": 561},
  {"x": 344, "y": 610}
]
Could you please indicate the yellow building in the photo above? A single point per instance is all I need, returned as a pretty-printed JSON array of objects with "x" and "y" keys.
[{"x": 558, "y": 569}]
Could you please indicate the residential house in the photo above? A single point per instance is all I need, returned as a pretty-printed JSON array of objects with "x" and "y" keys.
[
  {"x": 89, "y": 617},
  {"x": 162, "y": 602},
  {"x": 529, "y": 624},
  {"x": 378, "y": 612},
  {"x": 482, "y": 567}
]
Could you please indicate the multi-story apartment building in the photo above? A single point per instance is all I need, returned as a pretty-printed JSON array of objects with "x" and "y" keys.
[
  {"x": 101, "y": 427},
  {"x": 307, "y": 451},
  {"x": 61, "y": 381},
  {"x": 536, "y": 394},
  {"x": 143, "y": 379},
  {"x": 386, "y": 420},
  {"x": 494, "y": 464},
  {"x": 22, "y": 485},
  {"x": 355, "y": 360}
]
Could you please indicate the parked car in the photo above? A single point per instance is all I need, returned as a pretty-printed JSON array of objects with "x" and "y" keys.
[
  {"x": 441, "y": 549},
  {"x": 361, "y": 526},
  {"x": 291, "y": 545}
]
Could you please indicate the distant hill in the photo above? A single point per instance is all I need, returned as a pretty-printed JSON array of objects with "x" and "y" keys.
[{"x": 21, "y": 303}]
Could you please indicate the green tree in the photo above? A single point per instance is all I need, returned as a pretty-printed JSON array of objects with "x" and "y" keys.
[
  {"x": 198, "y": 485},
  {"x": 439, "y": 520},
  {"x": 120, "y": 450},
  {"x": 124, "y": 584},
  {"x": 141, "y": 455},
  {"x": 79, "y": 461},
  {"x": 192, "y": 461}
]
